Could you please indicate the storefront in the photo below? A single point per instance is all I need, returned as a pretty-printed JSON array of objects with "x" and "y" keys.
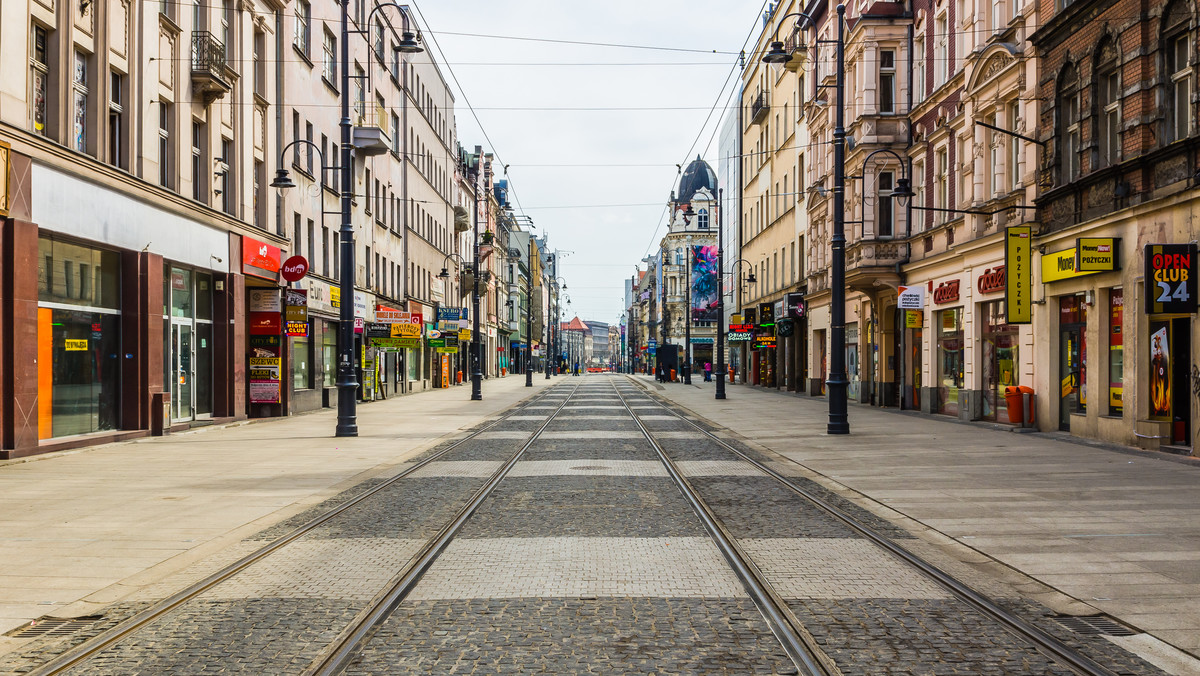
[
  {"x": 78, "y": 338},
  {"x": 189, "y": 348},
  {"x": 950, "y": 359},
  {"x": 265, "y": 354},
  {"x": 1170, "y": 278},
  {"x": 999, "y": 361}
]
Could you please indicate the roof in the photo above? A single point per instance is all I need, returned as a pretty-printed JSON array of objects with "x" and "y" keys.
[
  {"x": 697, "y": 175},
  {"x": 575, "y": 325}
]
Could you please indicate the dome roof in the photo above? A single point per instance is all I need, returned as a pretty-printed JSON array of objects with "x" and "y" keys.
[{"x": 697, "y": 175}]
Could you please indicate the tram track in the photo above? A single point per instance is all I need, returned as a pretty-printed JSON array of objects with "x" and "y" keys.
[
  {"x": 1042, "y": 641},
  {"x": 128, "y": 628}
]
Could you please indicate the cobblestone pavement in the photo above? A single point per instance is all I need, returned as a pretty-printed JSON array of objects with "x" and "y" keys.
[{"x": 586, "y": 558}]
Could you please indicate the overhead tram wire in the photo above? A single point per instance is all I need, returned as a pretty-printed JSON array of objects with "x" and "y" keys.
[{"x": 732, "y": 70}]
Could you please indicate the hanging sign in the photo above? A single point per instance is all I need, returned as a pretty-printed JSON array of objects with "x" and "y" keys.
[
  {"x": 265, "y": 324},
  {"x": 1018, "y": 274},
  {"x": 1170, "y": 278},
  {"x": 1060, "y": 265},
  {"x": 294, "y": 268},
  {"x": 914, "y": 319},
  {"x": 796, "y": 307},
  {"x": 766, "y": 314},
  {"x": 1097, "y": 254},
  {"x": 359, "y": 324},
  {"x": 911, "y": 297},
  {"x": 296, "y": 329},
  {"x": 265, "y": 300}
]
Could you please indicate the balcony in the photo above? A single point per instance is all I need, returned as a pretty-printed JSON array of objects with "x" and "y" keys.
[
  {"x": 794, "y": 47},
  {"x": 871, "y": 263},
  {"x": 759, "y": 109},
  {"x": 210, "y": 75}
]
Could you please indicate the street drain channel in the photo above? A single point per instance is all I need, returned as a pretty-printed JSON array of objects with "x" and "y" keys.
[
  {"x": 53, "y": 626},
  {"x": 1093, "y": 625}
]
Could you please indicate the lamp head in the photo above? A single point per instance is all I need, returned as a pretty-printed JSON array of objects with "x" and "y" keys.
[
  {"x": 283, "y": 180},
  {"x": 776, "y": 54},
  {"x": 903, "y": 190},
  {"x": 444, "y": 274},
  {"x": 409, "y": 44},
  {"x": 751, "y": 278}
]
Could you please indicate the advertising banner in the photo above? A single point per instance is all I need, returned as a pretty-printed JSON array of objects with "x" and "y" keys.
[
  {"x": 911, "y": 297},
  {"x": 740, "y": 333},
  {"x": 1018, "y": 275},
  {"x": 1060, "y": 265},
  {"x": 265, "y": 300},
  {"x": 260, "y": 259},
  {"x": 914, "y": 319},
  {"x": 796, "y": 307},
  {"x": 1170, "y": 278},
  {"x": 296, "y": 329},
  {"x": 396, "y": 343},
  {"x": 1097, "y": 254},
  {"x": 406, "y": 331},
  {"x": 265, "y": 324},
  {"x": 704, "y": 283},
  {"x": 264, "y": 392}
]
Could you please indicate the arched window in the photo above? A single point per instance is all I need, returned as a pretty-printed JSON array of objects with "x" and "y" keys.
[
  {"x": 1108, "y": 104},
  {"x": 1177, "y": 52},
  {"x": 702, "y": 219},
  {"x": 1066, "y": 110}
]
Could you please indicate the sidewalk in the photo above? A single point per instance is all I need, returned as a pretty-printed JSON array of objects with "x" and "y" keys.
[
  {"x": 1118, "y": 529},
  {"x": 82, "y": 529}
]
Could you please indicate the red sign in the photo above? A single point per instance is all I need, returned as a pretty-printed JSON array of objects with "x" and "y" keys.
[
  {"x": 360, "y": 323},
  {"x": 946, "y": 292},
  {"x": 741, "y": 328},
  {"x": 260, "y": 259},
  {"x": 265, "y": 324},
  {"x": 992, "y": 280},
  {"x": 294, "y": 268}
]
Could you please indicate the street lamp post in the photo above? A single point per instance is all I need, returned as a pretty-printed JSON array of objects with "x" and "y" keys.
[
  {"x": 720, "y": 293},
  {"x": 476, "y": 339}
]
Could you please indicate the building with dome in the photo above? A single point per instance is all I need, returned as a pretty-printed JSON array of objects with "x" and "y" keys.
[{"x": 689, "y": 256}]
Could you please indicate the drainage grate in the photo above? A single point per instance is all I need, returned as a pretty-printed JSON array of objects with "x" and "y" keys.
[
  {"x": 1093, "y": 625},
  {"x": 53, "y": 626}
]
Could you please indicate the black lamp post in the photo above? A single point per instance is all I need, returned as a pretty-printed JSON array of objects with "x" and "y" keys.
[
  {"x": 347, "y": 381},
  {"x": 720, "y": 293},
  {"x": 476, "y": 339}
]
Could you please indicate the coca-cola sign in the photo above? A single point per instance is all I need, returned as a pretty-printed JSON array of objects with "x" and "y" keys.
[
  {"x": 294, "y": 268},
  {"x": 992, "y": 280},
  {"x": 946, "y": 292}
]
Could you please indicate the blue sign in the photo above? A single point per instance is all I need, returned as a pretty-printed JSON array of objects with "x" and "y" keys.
[{"x": 453, "y": 314}]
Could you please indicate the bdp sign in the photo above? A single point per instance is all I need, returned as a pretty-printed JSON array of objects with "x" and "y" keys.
[{"x": 1170, "y": 278}]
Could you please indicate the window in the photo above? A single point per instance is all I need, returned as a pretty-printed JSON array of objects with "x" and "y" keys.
[
  {"x": 941, "y": 185},
  {"x": 885, "y": 225},
  {"x": 227, "y": 201},
  {"x": 367, "y": 268},
  {"x": 226, "y": 25},
  {"x": 395, "y": 134},
  {"x": 379, "y": 41},
  {"x": 325, "y": 250},
  {"x": 296, "y": 137},
  {"x": 998, "y": 22},
  {"x": 1014, "y": 145},
  {"x": 1067, "y": 109},
  {"x": 303, "y": 19},
  {"x": 329, "y": 58},
  {"x": 301, "y": 361},
  {"x": 991, "y": 158},
  {"x": 918, "y": 71},
  {"x": 199, "y": 180},
  {"x": 360, "y": 102},
  {"x": 1108, "y": 104},
  {"x": 308, "y": 147},
  {"x": 260, "y": 205},
  {"x": 297, "y": 241},
  {"x": 260, "y": 66},
  {"x": 941, "y": 50},
  {"x": 80, "y": 88},
  {"x": 1179, "y": 115},
  {"x": 117, "y": 156},
  {"x": 39, "y": 66},
  {"x": 887, "y": 81},
  {"x": 166, "y": 149},
  {"x": 918, "y": 182},
  {"x": 702, "y": 219}
]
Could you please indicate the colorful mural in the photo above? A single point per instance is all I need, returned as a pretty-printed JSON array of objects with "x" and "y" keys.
[{"x": 704, "y": 283}]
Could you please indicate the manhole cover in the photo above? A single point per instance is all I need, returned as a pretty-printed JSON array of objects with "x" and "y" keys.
[
  {"x": 53, "y": 626},
  {"x": 1093, "y": 625},
  {"x": 591, "y": 468}
]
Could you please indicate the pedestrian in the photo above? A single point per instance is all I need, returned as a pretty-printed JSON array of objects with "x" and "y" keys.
[{"x": 708, "y": 371}]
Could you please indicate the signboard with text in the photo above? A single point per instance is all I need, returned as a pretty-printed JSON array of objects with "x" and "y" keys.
[
  {"x": 1018, "y": 274},
  {"x": 1170, "y": 279},
  {"x": 1097, "y": 254}
]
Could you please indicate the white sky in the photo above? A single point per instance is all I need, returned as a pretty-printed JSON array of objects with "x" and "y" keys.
[{"x": 564, "y": 201}]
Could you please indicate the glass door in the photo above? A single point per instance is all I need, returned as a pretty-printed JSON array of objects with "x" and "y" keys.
[
  {"x": 1070, "y": 372},
  {"x": 183, "y": 382}
]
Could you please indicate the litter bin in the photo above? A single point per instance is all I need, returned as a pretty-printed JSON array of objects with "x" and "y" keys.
[
  {"x": 672, "y": 375},
  {"x": 1016, "y": 405}
]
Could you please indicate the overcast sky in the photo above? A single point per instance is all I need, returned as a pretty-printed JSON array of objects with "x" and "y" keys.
[{"x": 568, "y": 167}]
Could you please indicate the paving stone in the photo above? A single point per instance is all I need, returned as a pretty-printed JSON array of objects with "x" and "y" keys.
[
  {"x": 685, "y": 567},
  {"x": 575, "y": 636},
  {"x": 831, "y": 568}
]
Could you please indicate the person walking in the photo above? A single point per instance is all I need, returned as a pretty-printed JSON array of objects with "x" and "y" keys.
[{"x": 708, "y": 371}]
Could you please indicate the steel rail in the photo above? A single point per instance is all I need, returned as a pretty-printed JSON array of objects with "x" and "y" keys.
[
  {"x": 88, "y": 649},
  {"x": 1044, "y": 642},
  {"x": 344, "y": 648},
  {"x": 795, "y": 640}
]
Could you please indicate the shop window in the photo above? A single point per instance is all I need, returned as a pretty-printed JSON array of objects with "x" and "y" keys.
[
  {"x": 328, "y": 354},
  {"x": 39, "y": 64},
  {"x": 1116, "y": 352},
  {"x": 999, "y": 359},
  {"x": 302, "y": 362},
  {"x": 78, "y": 275},
  {"x": 1072, "y": 323},
  {"x": 950, "y": 360}
]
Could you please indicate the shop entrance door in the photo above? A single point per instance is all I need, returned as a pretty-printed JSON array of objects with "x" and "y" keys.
[
  {"x": 1070, "y": 374},
  {"x": 1181, "y": 407},
  {"x": 183, "y": 381}
]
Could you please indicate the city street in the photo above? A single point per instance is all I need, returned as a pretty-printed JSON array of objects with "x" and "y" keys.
[{"x": 581, "y": 525}]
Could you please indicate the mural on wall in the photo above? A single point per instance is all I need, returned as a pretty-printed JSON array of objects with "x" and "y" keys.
[{"x": 704, "y": 283}]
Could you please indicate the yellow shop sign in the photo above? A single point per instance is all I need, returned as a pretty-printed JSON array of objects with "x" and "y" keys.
[{"x": 1060, "y": 265}]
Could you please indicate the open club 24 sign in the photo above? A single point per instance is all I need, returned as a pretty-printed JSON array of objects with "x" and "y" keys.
[{"x": 1170, "y": 278}]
